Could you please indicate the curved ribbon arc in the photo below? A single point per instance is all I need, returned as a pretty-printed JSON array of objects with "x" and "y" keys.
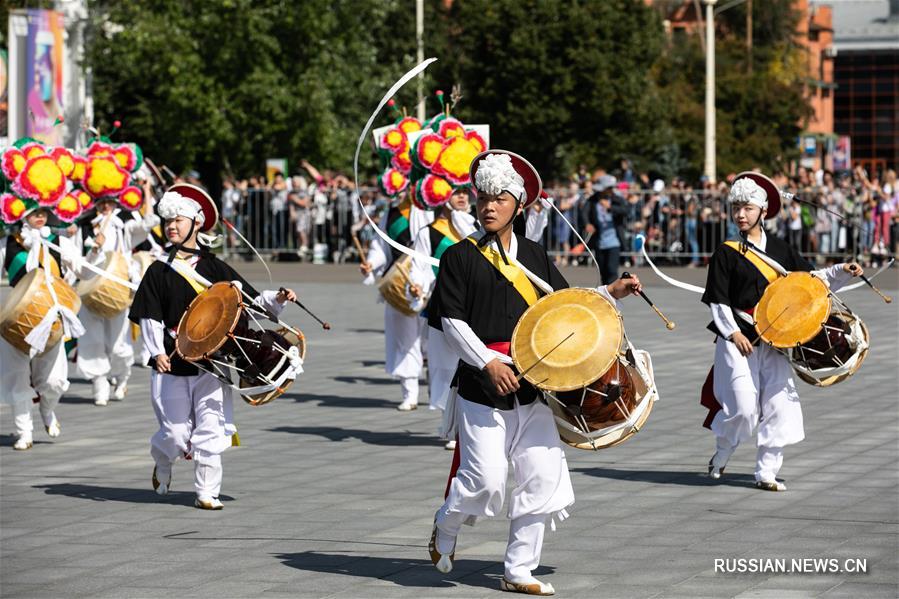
[
  {"x": 390, "y": 93},
  {"x": 862, "y": 283},
  {"x": 663, "y": 276},
  {"x": 250, "y": 245}
]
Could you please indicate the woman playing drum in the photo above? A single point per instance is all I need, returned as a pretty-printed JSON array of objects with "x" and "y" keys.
[
  {"x": 751, "y": 384},
  {"x": 193, "y": 408},
  {"x": 44, "y": 374}
]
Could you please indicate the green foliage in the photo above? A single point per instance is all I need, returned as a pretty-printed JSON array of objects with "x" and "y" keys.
[{"x": 220, "y": 85}]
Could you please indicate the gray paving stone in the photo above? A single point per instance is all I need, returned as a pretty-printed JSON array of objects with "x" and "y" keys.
[{"x": 333, "y": 491}]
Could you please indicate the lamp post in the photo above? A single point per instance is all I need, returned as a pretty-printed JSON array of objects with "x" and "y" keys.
[{"x": 710, "y": 167}]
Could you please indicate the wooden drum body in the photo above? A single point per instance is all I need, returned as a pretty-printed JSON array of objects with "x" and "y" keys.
[
  {"x": 27, "y": 305},
  {"x": 104, "y": 297}
]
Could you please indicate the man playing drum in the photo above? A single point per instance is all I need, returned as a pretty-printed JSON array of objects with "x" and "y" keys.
[
  {"x": 402, "y": 332},
  {"x": 46, "y": 374},
  {"x": 486, "y": 282},
  {"x": 105, "y": 351},
  {"x": 193, "y": 408},
  {"x": 751, "y": 384}
]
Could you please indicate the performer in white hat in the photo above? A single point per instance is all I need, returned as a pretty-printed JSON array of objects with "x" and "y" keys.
[
  {"x": 751, "y": 384},
  {"x": 193, "y": 408},
  {"x": 484, "y": 285},
  {"x": 105, "y": 351}
]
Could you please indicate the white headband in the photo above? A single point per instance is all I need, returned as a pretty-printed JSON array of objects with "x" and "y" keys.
[
  {"x": 747, "y": 191},
  {"x": 496, "y": 174},
  {"x": 174, "y": 204}
]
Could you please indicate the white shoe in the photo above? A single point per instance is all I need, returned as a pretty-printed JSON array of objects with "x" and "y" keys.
[
  {"x": 407, "y": 406},
  {"x": 442, "y": 561},
  {"x": 101, "y": 391},
  {"x": 121, "y": 389},
  {"x": 208, "y": 503},
  {"x": 716, "y": 468},
  {"x": 450, "y": 445},
  {"x": 22, "y": 443},
  {"x": 775, "y": 485},
  {"x": 53, "y": 429},
  {"x": 161, "y": 488},
  {"x": 528, "y": 588}
]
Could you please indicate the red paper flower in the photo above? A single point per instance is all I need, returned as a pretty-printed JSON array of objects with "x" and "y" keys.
[
  {"x": 393, "y": 182},
  {"x": 33, "y": 150},
  {"x": 434, "y": 191},
  {"x": 428, "y": 148},
  {"x": 455, "y": 159},
  {"x": 104, "y": 176},
  {"x": 131, "y": 198},
  {"x": 64, "y": 160},
  {"x": 13, "y": 162},
  {"x": 394, "y": 140},
  {"x": 402, "y": 161},
  {"x": 12, "y": 208},
  {"x": 450, "y": 127},
  {"x": 41, "y": 180},
  {"x": 79, "y": 168},
  {"x": 409, "y": 124},
  {"x": 69, "y": 208}
]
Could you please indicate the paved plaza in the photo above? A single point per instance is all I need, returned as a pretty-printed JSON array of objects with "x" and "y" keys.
[{"x": 333, "y": 491}]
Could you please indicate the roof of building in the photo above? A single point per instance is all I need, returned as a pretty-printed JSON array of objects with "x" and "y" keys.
[{"x": 864, "y": 25}]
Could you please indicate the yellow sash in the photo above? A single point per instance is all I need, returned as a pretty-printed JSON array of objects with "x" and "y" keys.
[
  {"x": 515, "y": 275},
  {"x": 763, "y": 267},
  {"x": 193, "y": 283},
  {"x": 445, "y": 228}
]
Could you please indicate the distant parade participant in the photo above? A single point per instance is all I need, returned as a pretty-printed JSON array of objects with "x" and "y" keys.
[
  {"x": 40, "y": 374},
  {"x": 105, "y": 352},
  {"x": 193, "y": 408},
  {"x": 751, "y": 385},
  {"x": 485, "y": 284}
]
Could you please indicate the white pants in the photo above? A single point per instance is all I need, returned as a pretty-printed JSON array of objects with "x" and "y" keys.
[
  {"x": 756, "y": 391},
  {"x": 402, "y": 343},
  {"x": 105, "y": 349},
  {"x": 442, "y": 362},
  {"x": 195, "y": 418},
  {"x": 488, "y": 440},
  {"x": 22, "y": 378}
]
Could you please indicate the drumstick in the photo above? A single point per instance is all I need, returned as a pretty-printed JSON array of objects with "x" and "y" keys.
[
  {"x": 325, "y": 325},
  {"x": 359, "y": 249},
  {"x": 531, "y": 367},
  {"x": 885, "y": 297},
  {"x": 668, "y": 323}
]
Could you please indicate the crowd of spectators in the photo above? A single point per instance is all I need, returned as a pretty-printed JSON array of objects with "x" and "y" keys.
[{"x": 314, "y": 215}]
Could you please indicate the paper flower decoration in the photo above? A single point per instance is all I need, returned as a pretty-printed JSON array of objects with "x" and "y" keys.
[
  {"x": 33, "y": 150},
  {"x": 394, "y": 141},
  {"x": 402, "y": 161},
  {"x": 104, "y": 176},
  {"x": 393, "y": 182},
  {"x": 409, "y": 125},
  {"x": 131, "y": 198},
  {"x": 455, "y": 158},
  {"x": 13, "y": 162},
  {"x": 87, "y": 202},
  {"x": 427, "y": 150},
  {"x": 79, "y": 168},
  {"x": 41, "y": 179},
  {"x": 123, "y": 154},
  {"x": 64, "y": 160},
  {"x": 13, "y": 208},
  {"x": 450, "y": 127},
  {"x": 433, "y": 191},
  {"x": 69, "y": 208}
]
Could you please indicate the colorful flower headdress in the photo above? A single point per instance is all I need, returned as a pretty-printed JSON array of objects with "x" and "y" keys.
[
  {"x": 108, "y": 172},
  {"x": 33, "y": 176}
]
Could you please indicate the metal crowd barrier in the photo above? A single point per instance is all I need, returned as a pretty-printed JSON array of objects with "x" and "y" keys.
[{"x": 679, "y": 227}]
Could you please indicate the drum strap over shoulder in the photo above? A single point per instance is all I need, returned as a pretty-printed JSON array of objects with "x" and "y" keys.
[
  {"x": 184, "y": 274},
  {"x": 763, "y": 267},
  {"x": 512, "y": 272},
  {"x": 450, "y": 237}
]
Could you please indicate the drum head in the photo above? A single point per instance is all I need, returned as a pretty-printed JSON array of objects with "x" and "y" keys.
[
  {"x": 210, "y": 317},
  {"x": 595, "y": 331},
  {"x": 792, "y": 310}
]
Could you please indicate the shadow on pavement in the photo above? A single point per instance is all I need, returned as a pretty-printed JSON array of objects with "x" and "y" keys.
[
  {"x": 365, "y": 380},
  {"x": 376, "y": 331},
  {"x": 402, "y": 571},
  {"x": 670, "y": 477},
  {"x": 336, "y": 401},
  {"x": 8, "y": 440},
  {"x": 396, "y": 439},
  {"x": 127, "y": 495}
]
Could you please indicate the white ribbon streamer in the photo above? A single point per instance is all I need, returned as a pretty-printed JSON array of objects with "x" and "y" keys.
[
  {"x": 390, "y": 93},
  {"x": 663, "y": 276}
]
